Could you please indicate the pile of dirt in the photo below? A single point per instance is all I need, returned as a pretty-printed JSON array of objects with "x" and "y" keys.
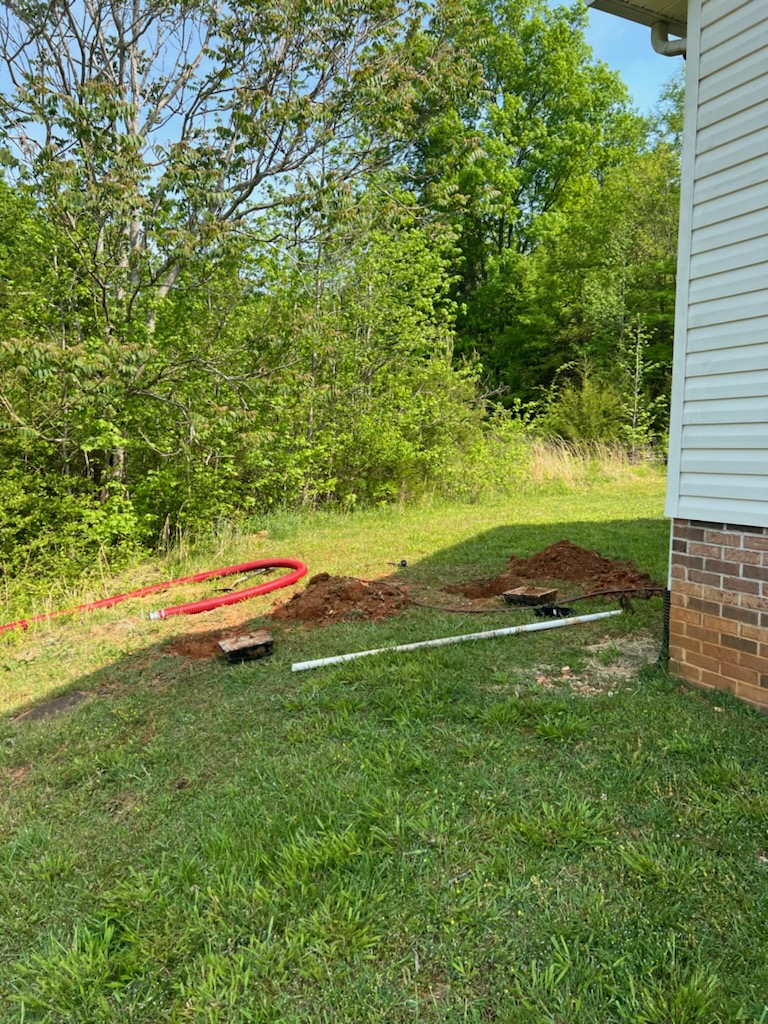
[
  {"x": 562, "y": 562},
  {"x": 328, "y": 599},
  {"x": 342, "y": 599}
]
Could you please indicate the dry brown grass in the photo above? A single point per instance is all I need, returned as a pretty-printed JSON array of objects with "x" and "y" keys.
[{"x": 578, "y": 464}]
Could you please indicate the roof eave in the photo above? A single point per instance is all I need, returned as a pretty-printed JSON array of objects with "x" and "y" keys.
[{"x": 626, "y": 9}]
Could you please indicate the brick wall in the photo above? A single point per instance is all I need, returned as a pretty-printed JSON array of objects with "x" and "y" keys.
[{"x": 718, "y": 629}]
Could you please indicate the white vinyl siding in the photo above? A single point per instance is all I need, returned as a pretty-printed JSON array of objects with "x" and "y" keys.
[
  {"x": 722, "y": 79},
  {"x": 719, "y": 433},
  {"x": 727, "y": 21},
  {"x": 735, "y": 231}
]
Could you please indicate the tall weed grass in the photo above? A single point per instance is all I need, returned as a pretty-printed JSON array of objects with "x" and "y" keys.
[
  {"x": 512, "y": 459},
  {"x": 582, "y": 463}
]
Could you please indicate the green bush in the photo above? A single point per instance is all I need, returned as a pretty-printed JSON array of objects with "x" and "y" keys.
[
  {"x": 587, "y": 409},
  {"x": 53, "y": 525},
  {"x": 493, "y": 460}
]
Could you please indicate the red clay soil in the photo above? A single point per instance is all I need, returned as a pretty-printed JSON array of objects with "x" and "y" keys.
[
  {"x": 326, "y": 599},
  {"x": 197, "y": 645},
  {"x": 562, "y": 562},
  {"x": 330, "y": 599}
]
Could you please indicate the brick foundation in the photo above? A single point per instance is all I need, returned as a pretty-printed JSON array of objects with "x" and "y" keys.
[{"x": 718, "y": 626}]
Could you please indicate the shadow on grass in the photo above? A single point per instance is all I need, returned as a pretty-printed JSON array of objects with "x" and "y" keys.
[{"x": 643, "y": 542}]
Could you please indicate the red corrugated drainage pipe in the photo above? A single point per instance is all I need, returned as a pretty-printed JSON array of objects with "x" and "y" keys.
[{"x": 193, "y": 607}]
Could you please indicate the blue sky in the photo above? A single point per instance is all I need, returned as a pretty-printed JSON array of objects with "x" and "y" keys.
[{"x": 626, "y": 47}]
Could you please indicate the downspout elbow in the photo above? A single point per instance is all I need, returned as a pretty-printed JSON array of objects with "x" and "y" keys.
[{"x": 663, "y": 44}]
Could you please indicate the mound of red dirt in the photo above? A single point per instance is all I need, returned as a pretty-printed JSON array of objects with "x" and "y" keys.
[
  {"x": 562, "y": 562},
  {"x": 326, "y": 599},
  {"x": 342, "y": 599}
]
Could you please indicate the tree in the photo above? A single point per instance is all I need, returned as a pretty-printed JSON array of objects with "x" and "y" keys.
[
  {"x": 545, "y": 119},
  {"x": 145, "y": 127},
  {"x": 607, "y": 263},
  {"x": 510, "y": 165},
  {"x": 376, "y": 405},
  {"x": 152, "y": 133}
]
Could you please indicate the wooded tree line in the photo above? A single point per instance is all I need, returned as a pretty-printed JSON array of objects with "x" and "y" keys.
[{"x": 305, "y": 251}]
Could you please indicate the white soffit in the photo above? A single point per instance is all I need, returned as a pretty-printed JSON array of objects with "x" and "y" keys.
[{"x": 648, "y": 12}]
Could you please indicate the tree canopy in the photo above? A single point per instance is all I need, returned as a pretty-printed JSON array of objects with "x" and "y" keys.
[{"x": 296, "y": 252}]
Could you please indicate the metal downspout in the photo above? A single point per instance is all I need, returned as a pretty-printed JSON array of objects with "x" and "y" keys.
[{"x": 663, "y": 44}]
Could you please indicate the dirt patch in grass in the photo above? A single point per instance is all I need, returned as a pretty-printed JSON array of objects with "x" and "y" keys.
[
  {"x": 51, "y": 708},
  {"x": 200, "y": 641},
  {"x": 326, "y": 599},
  {"x": 13, "y": 777},
  {"x": 562, "y": 562},
  {"x": 610, "y": 665},
  {"x": 330, "y": 599},
  {"x": 200, "y": 645}
]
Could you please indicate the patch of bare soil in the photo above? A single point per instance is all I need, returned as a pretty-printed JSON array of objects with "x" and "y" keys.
[
  {"x": 15, "y": 776},
  {"x": 562, "y": 562},
  {"x": 200, "y": 641},
  {"x": 326, "y": 599},
  {"x": 51, "y": 708},
  {"x": 201, "y": 644},
  {"x": 330, "y": 599},
  {"x": 611, "y": 664}
]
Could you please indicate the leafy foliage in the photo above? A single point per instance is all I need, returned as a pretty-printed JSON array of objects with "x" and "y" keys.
[{"x": 276, "y": 255}]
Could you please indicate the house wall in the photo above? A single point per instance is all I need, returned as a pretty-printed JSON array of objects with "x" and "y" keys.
[
  {"x": 719, "y": 435},
  {"x": 718, "y": 636},
  {"x": 718, "y": 466}
]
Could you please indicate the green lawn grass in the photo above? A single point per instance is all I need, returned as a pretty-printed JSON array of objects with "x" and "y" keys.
[{"x": 516, "y": 830}]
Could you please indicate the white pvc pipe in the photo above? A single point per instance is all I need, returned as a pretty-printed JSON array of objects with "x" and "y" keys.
[{"x": 532, "y": 627}]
